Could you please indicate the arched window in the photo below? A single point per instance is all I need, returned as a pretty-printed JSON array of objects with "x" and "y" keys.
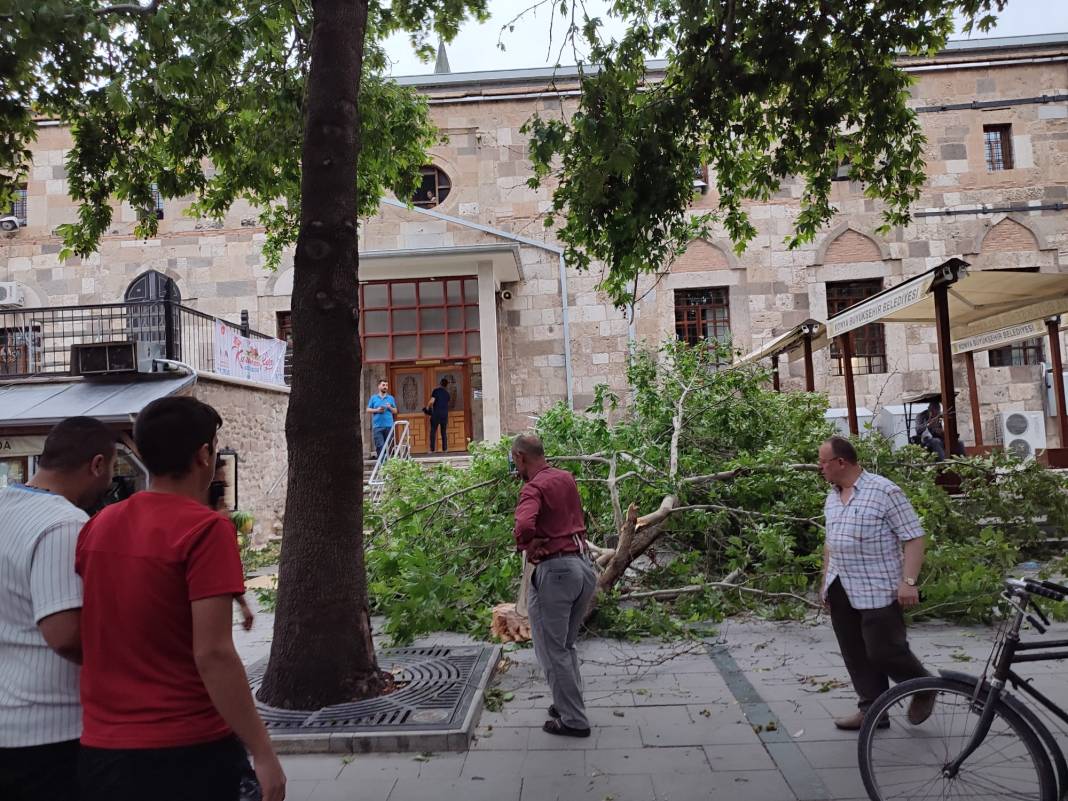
[
  {"x": 152, "y": 285},
  {"x": 148, "y": 319},
  {"x": 435, "y": 187}
]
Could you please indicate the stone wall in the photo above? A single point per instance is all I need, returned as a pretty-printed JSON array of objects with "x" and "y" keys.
[
  {"x": 771, "y": 287},
  {"x": 254, "y": 417}
]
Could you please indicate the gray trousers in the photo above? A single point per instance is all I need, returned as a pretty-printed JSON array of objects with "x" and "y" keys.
[{"x": 560, "y": 592}]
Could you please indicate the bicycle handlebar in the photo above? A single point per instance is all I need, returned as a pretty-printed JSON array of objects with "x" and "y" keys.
[
  {"x": 1047, "y": 589},
  {"x": 1041, "y": 588}
]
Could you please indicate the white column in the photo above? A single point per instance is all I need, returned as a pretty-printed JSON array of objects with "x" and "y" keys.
[{"x": 487, "y": 325}]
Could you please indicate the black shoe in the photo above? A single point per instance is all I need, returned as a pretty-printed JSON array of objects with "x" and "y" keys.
[
  {"x": 557, "y": 727},
  {"x": 553, "y": 713}
]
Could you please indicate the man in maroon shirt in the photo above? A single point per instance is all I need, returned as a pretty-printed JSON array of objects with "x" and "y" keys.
[
  {"x": 550, "y": 528},
  {"x": 166, "y": 703}
]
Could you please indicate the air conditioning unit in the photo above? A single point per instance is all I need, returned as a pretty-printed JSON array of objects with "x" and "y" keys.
[
  {"x": 1022, "y": 434},
  {"x": 840, "y": 418},
  {"x": 11, "y": 295},
  {"x": 892, "y": 422},
  {"x": 96, "y": 359}
]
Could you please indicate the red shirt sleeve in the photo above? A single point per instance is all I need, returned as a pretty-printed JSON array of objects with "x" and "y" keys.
[
  {"x": 213, "y": 564},
  {"x": 526, "y": 515}
]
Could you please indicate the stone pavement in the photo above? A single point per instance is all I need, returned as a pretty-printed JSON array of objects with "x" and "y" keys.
[{"x": 671, "y": 722}]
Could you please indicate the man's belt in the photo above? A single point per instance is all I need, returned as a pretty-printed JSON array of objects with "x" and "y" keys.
[{"x": 557, "y": 555}]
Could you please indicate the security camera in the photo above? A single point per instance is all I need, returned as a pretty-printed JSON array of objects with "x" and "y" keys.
[{"x": 506, "y": 294}]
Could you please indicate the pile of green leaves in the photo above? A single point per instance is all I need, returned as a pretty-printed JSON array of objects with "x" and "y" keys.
[{"x": 440, "y": 551}]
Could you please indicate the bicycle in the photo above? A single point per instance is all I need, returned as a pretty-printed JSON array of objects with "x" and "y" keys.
[{"x": 980, "y": 742}]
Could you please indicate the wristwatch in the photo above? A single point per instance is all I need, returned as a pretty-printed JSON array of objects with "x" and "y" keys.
[{"x": 910, "y": 581}]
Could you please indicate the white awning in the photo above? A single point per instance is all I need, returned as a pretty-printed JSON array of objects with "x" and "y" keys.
[
  {"x": 1001, "y": 337},
  {"x": 979, "y": 302},
  {"x": 790, "y": 343},
  {"x": 43, "y": 404}
]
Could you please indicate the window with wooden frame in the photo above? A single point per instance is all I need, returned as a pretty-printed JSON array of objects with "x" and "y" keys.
[
  {"x": 997, "y": 140},
  {"x": 703, "y": 315},
  {"x": 420, "y": 319},
  {"x": 433, "y": 189},
  {"x": 285, "y": 333},
  {"x": 869, "y": 342},
  {"x": 1030, "y": 351}
]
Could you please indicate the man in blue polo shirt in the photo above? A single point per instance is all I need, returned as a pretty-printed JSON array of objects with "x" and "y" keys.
[{"x": 381, "y": 407}]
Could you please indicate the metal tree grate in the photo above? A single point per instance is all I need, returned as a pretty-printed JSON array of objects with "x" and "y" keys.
[{"x": 435, "y": 688}]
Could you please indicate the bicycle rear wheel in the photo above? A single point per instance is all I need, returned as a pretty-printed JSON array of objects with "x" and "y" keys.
[{"x": 905, "y": 762}]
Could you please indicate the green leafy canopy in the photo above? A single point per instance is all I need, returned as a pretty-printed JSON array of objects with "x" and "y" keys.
[
  {"x": 760, "y": 92},
  {"x": 200, "y": 98}
]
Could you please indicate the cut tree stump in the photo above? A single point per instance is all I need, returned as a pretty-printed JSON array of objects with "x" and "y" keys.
[{"x": 508, "y": 625}]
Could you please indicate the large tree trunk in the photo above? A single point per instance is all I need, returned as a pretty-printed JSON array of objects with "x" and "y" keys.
[{"x": 322, "y": 651}]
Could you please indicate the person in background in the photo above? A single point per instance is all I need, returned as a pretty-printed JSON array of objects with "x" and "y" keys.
[
  {"x": 871, "y": 561},
  {"x": 381, "y": 407},
  {"x": 440, "y": 399},
  {"x": 551, "y": 530},
  {"x": 932, "y": 434},
  {"x": 217, "y": 502},
  {"x": 167, "y": 709},
  {"x": 40, "y": 611}
]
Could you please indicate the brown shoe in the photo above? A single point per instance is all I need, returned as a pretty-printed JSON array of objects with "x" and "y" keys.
[
  {"x": 854, "y": 722},
  {"x": 921, "y": 707}
]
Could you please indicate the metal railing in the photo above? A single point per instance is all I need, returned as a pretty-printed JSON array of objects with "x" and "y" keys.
[
  {"x": 398, "y": 445},
  {"x": 37, "y": 342}
]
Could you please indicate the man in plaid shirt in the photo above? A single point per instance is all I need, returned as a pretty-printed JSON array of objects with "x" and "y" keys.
[{"x": 872, "y": 556}]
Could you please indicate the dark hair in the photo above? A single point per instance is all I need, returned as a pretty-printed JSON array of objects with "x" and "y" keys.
[
  {"x": 75, "y": 442},
  {"x": 843, "y": 449},
  {"x": 170, "y": 431},
  {"x": 528, "y": 445},
  {"x": 444, "y": 382}
]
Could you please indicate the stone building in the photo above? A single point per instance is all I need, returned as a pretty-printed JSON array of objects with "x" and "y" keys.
[{"x": 471, "y": 287}]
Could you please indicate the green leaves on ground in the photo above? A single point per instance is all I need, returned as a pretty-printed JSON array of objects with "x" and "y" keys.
[{"x": 441, "y": 554}]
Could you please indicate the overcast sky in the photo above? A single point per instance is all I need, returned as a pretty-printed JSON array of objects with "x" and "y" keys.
[{"x": 529, "y": 44}]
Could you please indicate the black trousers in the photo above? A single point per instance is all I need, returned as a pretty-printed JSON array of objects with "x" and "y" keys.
[
  {"x": 873, "y": 644},
  {"x": 40, "y": 772},
  {"x": 204, "y": 772},
  {"x": 437, "y": 423}
]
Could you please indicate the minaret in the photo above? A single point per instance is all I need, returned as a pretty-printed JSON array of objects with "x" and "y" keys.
[{"x": 441, "y": 67}]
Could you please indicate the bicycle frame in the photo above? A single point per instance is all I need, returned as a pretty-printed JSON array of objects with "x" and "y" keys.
[{"x": 1003, "y": 673}]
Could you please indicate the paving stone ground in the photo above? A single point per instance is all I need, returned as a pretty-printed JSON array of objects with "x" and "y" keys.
[{"x": 670, "y": 723}]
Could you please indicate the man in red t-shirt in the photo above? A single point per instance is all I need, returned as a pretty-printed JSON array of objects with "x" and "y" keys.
[{"x": 166, "y": 703}]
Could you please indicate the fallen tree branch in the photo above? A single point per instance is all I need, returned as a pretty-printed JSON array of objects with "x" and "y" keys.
[
  {"x": 436, "y": 502},
  {"x": 667, "y": 595},
  {"x": 727, "y": 475}
]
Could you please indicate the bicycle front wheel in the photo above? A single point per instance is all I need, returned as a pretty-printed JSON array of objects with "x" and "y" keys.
[{"x": 906, "y": 762}]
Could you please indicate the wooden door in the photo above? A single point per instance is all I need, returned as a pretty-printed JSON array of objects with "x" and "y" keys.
[
  {"x": 459, "y": 429},
  {"x": 408, "y": 386}
]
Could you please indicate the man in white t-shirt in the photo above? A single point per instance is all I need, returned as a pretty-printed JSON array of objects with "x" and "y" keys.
[{"x": 40, "y": 611}]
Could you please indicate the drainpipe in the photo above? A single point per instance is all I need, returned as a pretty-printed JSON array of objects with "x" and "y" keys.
[{"x": 566, "y": 316}]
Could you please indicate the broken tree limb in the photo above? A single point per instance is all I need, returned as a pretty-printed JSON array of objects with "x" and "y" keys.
[
  {"x": 727, "y": 475},
  {"x": 667, "y": 595}
]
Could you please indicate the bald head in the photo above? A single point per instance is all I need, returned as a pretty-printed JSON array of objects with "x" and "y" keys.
[
  {"x": 529, "y": 445},
  {"x": 528, "y": 454}
]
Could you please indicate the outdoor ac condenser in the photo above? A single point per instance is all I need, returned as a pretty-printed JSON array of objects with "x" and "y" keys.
[
  {"x": 11, "y": 295},
  {"x": 1022, "y": 434}
]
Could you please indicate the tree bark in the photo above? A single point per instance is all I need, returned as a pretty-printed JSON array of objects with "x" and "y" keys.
[{"x": 322, "y": 652}]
